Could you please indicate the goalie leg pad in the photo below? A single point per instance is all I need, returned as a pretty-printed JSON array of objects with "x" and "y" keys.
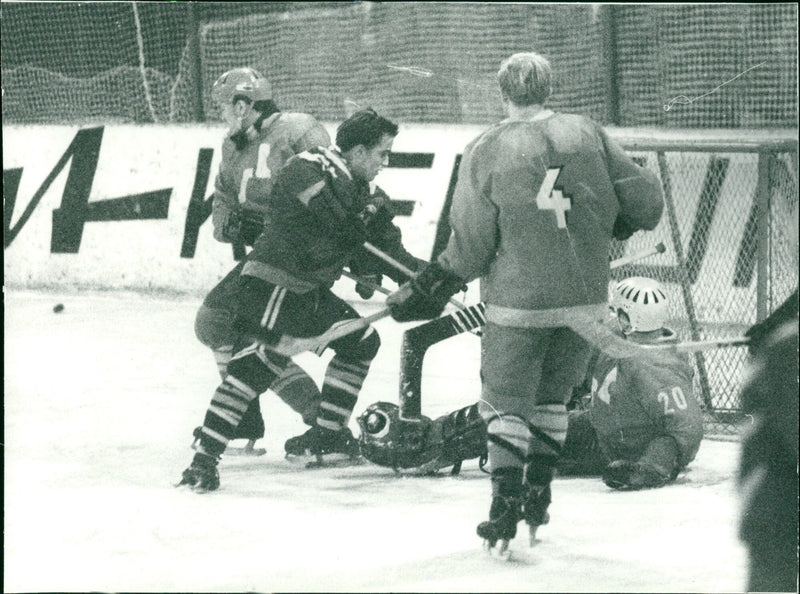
[{"x": 463, "y": 436}]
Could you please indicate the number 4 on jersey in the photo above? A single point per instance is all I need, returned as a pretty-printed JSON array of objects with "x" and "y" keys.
[{"x": 550, "y": 198}]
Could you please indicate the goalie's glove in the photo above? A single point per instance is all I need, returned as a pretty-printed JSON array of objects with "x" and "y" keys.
[
  {"x": 424, "y": 296},
  {"x": 630, "y": 476}
]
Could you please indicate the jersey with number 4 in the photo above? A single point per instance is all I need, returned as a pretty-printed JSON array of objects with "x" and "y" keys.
[
  {"x": 635, "y": 401},
  {"x": 534, "y": 209},
  {"x": 246, "y": 175}
]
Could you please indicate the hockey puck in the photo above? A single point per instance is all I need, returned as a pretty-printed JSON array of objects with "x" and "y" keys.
[{"x": 58, "y": 308}]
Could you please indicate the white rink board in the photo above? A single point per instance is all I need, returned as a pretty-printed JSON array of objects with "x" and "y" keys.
[{"x": 146, "y": 254}]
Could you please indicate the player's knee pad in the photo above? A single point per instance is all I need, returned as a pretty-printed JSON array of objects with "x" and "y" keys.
[{"x": 508, "y": 438}]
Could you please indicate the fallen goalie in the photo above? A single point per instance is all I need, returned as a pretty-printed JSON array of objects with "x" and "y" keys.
[{"x": 635, "y": 422}]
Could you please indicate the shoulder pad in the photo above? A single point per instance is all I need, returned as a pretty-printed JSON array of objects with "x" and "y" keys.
[{"x": 327, "y": 159}]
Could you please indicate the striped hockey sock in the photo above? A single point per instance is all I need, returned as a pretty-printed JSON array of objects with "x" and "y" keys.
[
  {"x": 224, "y": 414},
  {"x": 222, "y": 356},
  {"x": 343, "y": 381},
  {"x": 548, "y": 432},
  {"x": 548, "y": 425},
  {"x": 250, "y": 372}
]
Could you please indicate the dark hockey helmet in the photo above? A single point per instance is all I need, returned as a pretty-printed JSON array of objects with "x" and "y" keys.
[{"x": 388, "y": 440}]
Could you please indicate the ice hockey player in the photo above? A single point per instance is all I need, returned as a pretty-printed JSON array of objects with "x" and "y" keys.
[
  {"x": 259, "y": 141},
  {"x": 768, "y": 466},
  {"x": 319, "y": 215},
  {"x": 634, "y": 421},
  {"x": 538, "y": 199}
]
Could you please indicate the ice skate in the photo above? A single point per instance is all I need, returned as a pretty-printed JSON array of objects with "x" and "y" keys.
[
  {"x": 535, "y": 513},
  {"x": 248, "y": 449},
  {"x": 202, "y": 475},
  {"x": 326, "y": 446},
  {"x": 501, "y": 527}
]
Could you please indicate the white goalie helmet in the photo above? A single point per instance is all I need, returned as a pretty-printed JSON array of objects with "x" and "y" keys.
[
  {"x": 246, "y": 82},
  {"x": 644, "y": 302}
]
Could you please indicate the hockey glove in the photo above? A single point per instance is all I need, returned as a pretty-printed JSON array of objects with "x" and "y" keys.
[
  {"x": 622, "y": 230},
  {"x": 366, "y": 291},
  {"x": 252, "y": 224},
  {"x": 243, "y": 225},
  {"x": 424, "y": 296},
  {"x": 630, "y": 476}
]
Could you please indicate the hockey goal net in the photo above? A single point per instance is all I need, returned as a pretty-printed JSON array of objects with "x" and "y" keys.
[{"x": 730, "y": 204}]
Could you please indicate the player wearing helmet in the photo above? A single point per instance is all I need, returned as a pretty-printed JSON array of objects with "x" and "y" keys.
[
  {"x": 538, "y": 199},
  {"x": 259, "y": 141},
  {"x": 320, "y": 212},
  {"x": 636, "y": 421},
  {"x": 767, "y": 479}
]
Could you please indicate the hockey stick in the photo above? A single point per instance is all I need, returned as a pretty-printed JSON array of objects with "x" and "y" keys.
[
  {"x": 702, "y": 345},
  {"x": 659, "y": 248},
  {"x": 417, "y": 340},
  {"x": 292, "y": 345},
  {"x": 401, "y": 267},
  {"x": 597, "y": 333}
]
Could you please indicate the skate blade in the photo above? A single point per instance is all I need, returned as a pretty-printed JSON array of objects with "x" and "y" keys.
[
  {"x": 499, "y": 551},
  {"x": 245, "y": 451},
  {"x": 532, "y": 535}
]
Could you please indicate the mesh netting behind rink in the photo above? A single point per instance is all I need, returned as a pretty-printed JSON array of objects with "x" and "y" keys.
[
  {"x": 733, "y": 65},
  {"x": 414, "y": 62},
  {"x": 677, "y": 55},
  {"x": 69, "y": 62}
]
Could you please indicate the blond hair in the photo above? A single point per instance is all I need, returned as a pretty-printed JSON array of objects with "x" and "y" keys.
[{"x": 525, "y": 79}]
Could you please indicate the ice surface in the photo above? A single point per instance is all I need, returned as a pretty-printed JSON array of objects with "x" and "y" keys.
[{"x": 100, "y": 403}]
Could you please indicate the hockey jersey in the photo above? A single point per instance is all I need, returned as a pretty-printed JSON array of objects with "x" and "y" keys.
[
  {"x": 534, "y": 208},
  {"x": 637, "y": 402},
  {"x": 245, "y": 177},
  {"x": 318, "y": 216}
]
